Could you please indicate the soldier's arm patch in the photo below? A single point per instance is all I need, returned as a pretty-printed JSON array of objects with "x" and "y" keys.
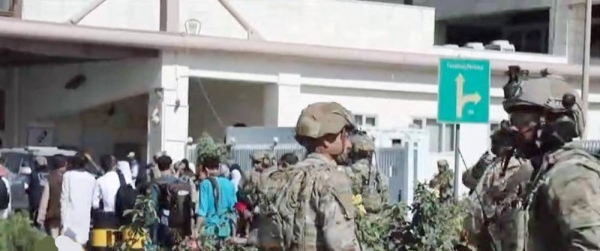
[{"x": 576, "y": 197}]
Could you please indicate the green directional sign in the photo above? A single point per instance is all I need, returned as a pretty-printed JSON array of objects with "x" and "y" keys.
[{"x": 464, "y": 91}]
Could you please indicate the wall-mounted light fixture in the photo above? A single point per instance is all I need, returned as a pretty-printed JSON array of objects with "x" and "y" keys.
[{"x": 192, "y": 27}]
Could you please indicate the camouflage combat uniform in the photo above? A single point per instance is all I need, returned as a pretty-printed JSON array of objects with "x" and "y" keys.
[
  {"x": 367, "y": 180},
  {"x": 257, "y": 175},
  {"x": 443, "y": 181},
  {"x": 493, "y": 195},
  {"x": 309, "y": 206},
  {"x": 562, "y": 202}
]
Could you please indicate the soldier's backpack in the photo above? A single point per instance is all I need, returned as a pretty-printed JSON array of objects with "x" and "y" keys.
[
  {"x": 284, "y": 199},
  {"x": 4, "y": 195},
  {"x": 175, "y": 204}
]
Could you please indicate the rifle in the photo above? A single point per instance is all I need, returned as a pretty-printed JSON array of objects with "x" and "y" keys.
[{"x": 371, "y": 176}]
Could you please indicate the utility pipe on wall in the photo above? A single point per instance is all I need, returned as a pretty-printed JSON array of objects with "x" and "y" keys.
[
  {"x": 585, "y": 85},
  {"x": 75, "y": 19},
  {"x": 252, "y": 33}
]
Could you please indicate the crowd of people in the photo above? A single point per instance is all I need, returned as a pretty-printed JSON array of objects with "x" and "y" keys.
[
  {"x": 264, "y": 206},
  {"x": 77, "y": 195}
]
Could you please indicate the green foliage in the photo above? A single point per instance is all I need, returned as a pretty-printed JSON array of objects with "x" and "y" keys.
[
  {"x": 143, "y": 214},
  {"x": 207, "y": 147},
  {"x": 435, "y": 225},
  {"x": 377, "y": 232},
  {"x": 17, "y": 234}
]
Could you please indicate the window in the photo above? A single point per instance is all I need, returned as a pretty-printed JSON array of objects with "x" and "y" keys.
[
  {"x": 2, "y": 110},
  {"x": 526, "y": 30},
  {"x": 365, "y": 120},
  {"x": 5, "y": 5},
  {"x": 10, "y": 8},
  {"x": 528, "y": 38},
  {"x": 441, "y": 136},
  {"x": 396, "y": 142},
  {"x": 595, "y": 38}
]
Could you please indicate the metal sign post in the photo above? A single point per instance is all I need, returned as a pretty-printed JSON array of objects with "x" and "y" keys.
[
  {"x": 463, "y": 97},
  {"x": 457, "y": 174}
]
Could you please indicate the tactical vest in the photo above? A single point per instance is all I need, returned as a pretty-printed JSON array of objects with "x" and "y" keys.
[
  {"x": 288, "y": 212},
  {"x": 546, "y": 234},
  {"x": 371, "y": 184},
  {"x": 496, "y": 222}
]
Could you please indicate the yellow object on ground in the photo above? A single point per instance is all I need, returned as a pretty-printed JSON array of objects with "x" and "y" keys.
[{"x": 135, "y": 240}]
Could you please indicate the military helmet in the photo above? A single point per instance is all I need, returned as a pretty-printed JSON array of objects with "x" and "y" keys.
[
  {"x": 442, "y": 163},
  {"x": 320, "y": 119},
  {"x": 362, "y": 142},
  {"x": 260, "y": 156},
  {"x": 550, "y": 94}
]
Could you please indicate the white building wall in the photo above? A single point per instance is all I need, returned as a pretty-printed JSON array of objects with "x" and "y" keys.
[
  {"x": 354, "y": 24},
  {"x": 233, "y": 102},
  {"x": 125, "y": 14},
  {"x": 43, "y": 101},
  {"x": 96, "y": 130}
]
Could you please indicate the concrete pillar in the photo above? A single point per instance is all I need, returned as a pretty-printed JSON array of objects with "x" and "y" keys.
[
  {"x": 575, "y": 30},
  {"x": 558, "y": 31},
  {"x": 169, "y": 103},
  {"x": 169, "y": 15},
  {"x": 440, "y": 33},
  {"x": 282, "y": 101}
]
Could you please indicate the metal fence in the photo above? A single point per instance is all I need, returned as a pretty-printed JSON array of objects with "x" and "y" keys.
[
  {"x": 591, "y": 146},
  {"x": 400, "y": 163},
  {"x": 391, "y": 162},
  {"x": 241, "y": 153}
]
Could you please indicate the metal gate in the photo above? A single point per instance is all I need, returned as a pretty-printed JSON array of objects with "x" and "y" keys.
[{"x": 392, "y": 161}]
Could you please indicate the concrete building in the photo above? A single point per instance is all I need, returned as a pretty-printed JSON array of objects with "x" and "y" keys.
[
  {"x": 125, "y": 77},
  {"x": 538, "y": 26}
]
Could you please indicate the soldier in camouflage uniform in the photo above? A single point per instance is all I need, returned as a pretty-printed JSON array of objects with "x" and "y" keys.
[
  {"x": 366, "y": 179},
  {"x": 443, "y": 181},
  {"x": 491, "y": 217},
  {"x": 262, "y": 163},
  {"x": 309, "y": 206},
  {"x": 562, "y": 200}
]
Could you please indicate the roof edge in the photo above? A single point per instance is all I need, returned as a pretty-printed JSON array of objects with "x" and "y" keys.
[{"x": 46, "y": 31}]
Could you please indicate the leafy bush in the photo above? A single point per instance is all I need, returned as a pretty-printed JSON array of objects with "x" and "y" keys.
[
  {"x": 435, "y": 225},
  {"x": 142, "y": 215},
  {"x": 17, "y": 233}
]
